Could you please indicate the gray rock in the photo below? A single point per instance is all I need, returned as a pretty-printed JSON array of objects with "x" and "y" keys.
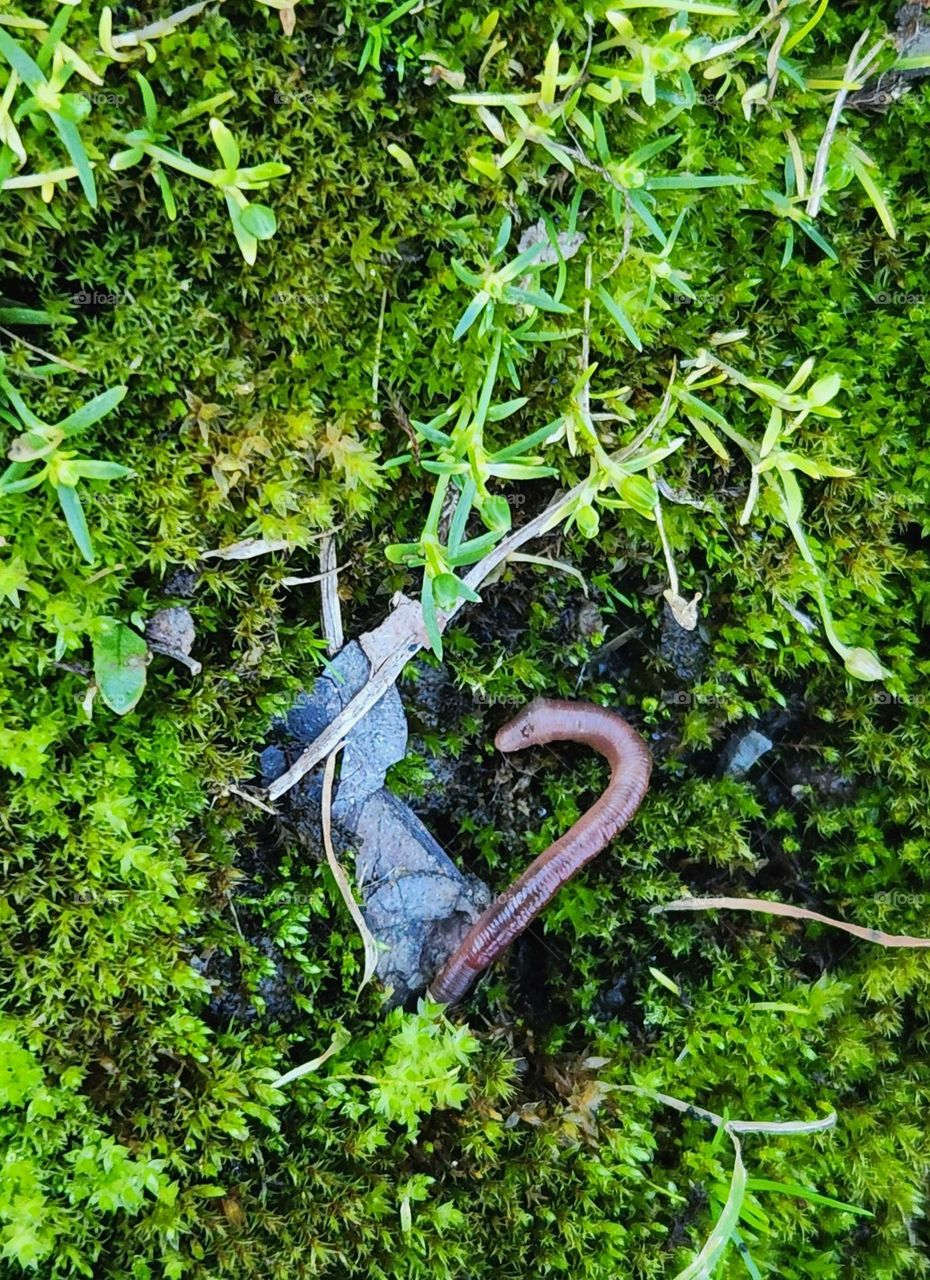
[
  {"x": 416, "y": 902},
  {"x": 375, "y": 743},
  {"x": 171, "y": 631},
  {"x": 742, "y": 752}
]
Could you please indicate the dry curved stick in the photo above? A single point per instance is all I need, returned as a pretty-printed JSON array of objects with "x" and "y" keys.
[
  {"x": 342, "y": 880},
  {"x": 553, "y": 720},
  {"x": 795, "y": 913}
]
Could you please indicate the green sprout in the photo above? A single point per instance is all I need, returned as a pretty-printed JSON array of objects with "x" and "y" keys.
[
  {"x": 61, "y": 469},
  {"x": 776, "y": 465},
  {"x": 47, "y": 98},
  {"x": 496, "y": 285},
  {"x": 378, "y": 36},
  {"x": 250, "y": 222}
]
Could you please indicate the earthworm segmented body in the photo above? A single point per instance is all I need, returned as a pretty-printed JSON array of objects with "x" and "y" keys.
[{"x": 553, "y": 720}]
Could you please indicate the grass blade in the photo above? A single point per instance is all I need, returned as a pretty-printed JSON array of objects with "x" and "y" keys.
[
  {"x": 77, "y": 521},
  {"x": 703, "y": 1266},
  {"x": 619, "y": 317},
  {"x": 342, "y": 881}
]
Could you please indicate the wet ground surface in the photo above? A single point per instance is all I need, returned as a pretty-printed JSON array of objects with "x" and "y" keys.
[{"x": 415, "y": 866}]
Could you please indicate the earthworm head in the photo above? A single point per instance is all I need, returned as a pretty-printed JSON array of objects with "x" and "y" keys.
[{"x": 522, "y": 731}]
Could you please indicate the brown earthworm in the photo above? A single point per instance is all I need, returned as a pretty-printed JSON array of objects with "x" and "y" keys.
[{"x": 553, "y": 720}]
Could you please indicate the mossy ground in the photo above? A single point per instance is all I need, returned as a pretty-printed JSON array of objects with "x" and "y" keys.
[{"x": 142, "y": 1136}]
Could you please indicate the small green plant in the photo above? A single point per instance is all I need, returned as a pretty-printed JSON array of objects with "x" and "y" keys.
[
  {"x": 666, "y": 59},
  {"x": 461, "y": 459},
  {"x": 250, "y": 222},
  {"x": 422, "y": 1067},
  {"x": 120, "y": 660},
  {"x": 61, "y": 468},
  {"x": 378, "y": 37},
  {"x": 615, "y": 480},
  {"x": 775, "y": 465},
  {"x": 47, "y": 100},
  {"x": 157, "y": 131},
  {"x": 496, "y": 284}
]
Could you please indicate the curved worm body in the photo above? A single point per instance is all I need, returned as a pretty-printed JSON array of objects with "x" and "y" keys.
[{"x": 553, "y": 720}]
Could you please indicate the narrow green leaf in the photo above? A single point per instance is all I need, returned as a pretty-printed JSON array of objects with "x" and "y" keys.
[
  {"x": 537, "y": 437},
  {"x": 69, "y": 135},
  {"x": 123, "y": 160},
  {"x": 12, "y": 484},
  {"x": 503, "y": 236},
  {"x": 225, "y": 143},
  {"x": 518, "y": 471},
  {"x": 814, "y": 235},
  {"x": 77, "y": 521},
  {"x": 90, "y": 469},
  {"x": 872, "y": 190},
  {"x": 705, "y": 1264},
  {"x": 444, "y": 468},
  {"x": 23, "y": 315},
  {"x": 639, "y": 157},
  {"x": 471, "y": 314},
  {"x": 807, "y": 28},
  {"x": 679, "y": 6},
  {"x": 402, "y": 552},
  {"x": 696, "y": 182},
  {"x": 534, "y": 298},
  {"x": 699, "y": 408},
  {"x": 167, "y": 195},
  {"x": 619, "y": 316},
  {"x": 795, "y": 1189},
  {"x": 793, "y": 499},
  {"x": 430, "y": 620},
  {"x": 28, "y": 71},
  {"x": 438, "y": 438},
  {"x": 709, "y": 437},
  {"x": 93, "y": 411},
  {"x": 248, "y": 244},
  {"x": 498, "y": 412},
  {"x": 641, "y": 210},
  {"x": 462, "y": 512}
]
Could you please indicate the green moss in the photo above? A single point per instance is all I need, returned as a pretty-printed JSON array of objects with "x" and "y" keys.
[{"x": 142, "y": 1133}]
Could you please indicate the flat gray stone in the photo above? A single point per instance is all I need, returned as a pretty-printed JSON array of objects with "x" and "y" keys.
[
  {"x": 416, "y": 901},
  {"x": 376, "y": 742}
]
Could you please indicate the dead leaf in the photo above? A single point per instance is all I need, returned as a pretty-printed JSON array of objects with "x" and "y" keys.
[
  {"x": 342, "y": 880},
  {"x": 248, "y": 549},
  {"x": 547, "y": 256},
  {"x": 171, "y": 632},
  {"x": 795, "y": 913},
  {"x": 685, "y": 611}
]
